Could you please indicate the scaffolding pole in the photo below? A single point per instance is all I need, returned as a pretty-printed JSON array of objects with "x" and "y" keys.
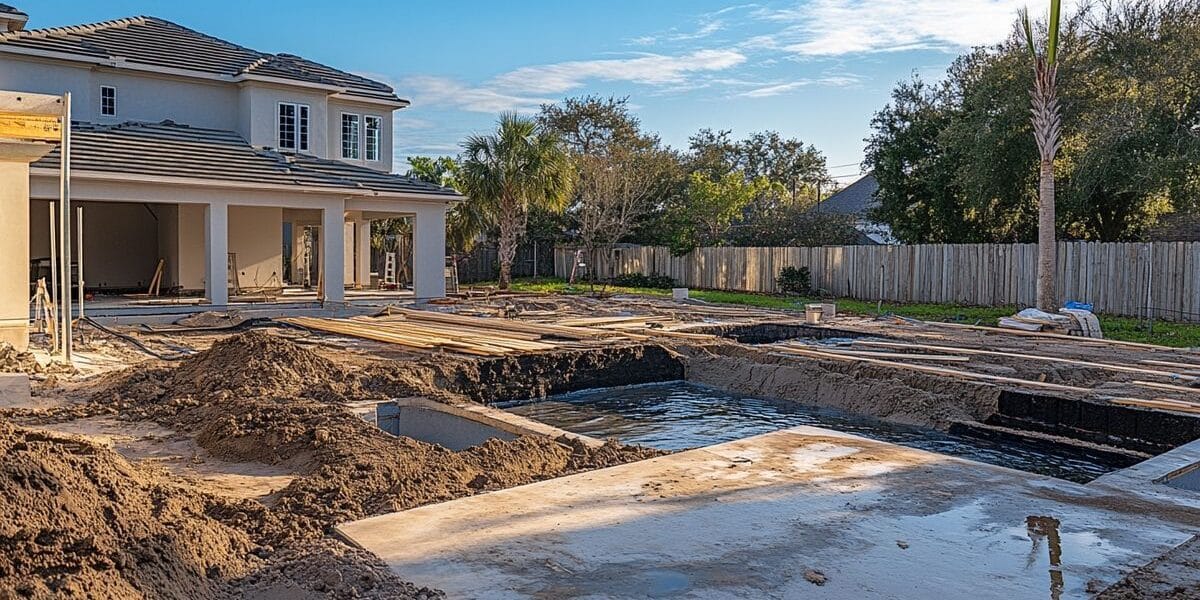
[{"x": 64, "y": 219}]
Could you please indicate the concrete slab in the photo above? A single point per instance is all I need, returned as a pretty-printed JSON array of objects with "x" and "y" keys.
[
  {"x": 15, "y": 391},
  {"x": 769, "y": 516}
]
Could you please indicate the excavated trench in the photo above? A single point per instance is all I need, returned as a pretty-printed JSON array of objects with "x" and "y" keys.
[{"x": 1117, "y": 436}]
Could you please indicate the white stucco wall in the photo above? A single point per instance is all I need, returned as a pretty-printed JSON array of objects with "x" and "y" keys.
[
  {"x": 334, "y": 150},
  {"x": 140, "y": 96},
  {"x": 256, "y": 237},
  {"x": 191, "y": 247},
  {"x": 259, "y": 122}
]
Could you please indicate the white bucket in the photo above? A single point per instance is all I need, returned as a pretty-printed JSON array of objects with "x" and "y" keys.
[
  {"x": 679, "y": 293},
  {"x": 813, "y": 313}
]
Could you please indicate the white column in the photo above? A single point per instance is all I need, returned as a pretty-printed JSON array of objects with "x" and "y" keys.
[
  {"x": 429, "y": 251},
  {"x": 216, "y": 253},
  {"x": 362, "y": 269},
  {"x": 333, "y": 251}
]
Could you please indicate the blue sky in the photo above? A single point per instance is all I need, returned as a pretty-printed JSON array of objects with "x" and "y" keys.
[{"x": 811, "y": 69}]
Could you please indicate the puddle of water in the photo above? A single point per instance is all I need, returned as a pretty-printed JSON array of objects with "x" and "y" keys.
[{"x": 679, "y": 415}]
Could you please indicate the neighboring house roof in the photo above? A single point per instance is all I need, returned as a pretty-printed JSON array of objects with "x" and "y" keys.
[
  {"x": 179, "y": 151},
  {"x": 157, "y": 42},
  {"x": 857, "y": 198},
  {"x": 11, "y": 10}
]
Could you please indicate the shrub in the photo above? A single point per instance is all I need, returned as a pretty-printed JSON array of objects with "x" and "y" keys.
[
  {"x": 641, "y": 280},
  {"x": 794, "y": 280}
]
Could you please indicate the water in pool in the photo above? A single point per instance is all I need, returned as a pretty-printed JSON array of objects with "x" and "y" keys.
[{"x": 679, "y": 415}]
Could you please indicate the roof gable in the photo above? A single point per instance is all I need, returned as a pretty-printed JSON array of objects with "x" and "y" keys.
[{"x": 157, "y": 42}]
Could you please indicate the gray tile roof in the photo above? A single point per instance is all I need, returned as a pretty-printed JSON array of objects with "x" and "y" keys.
[
  {"x": 11, "y": 10},
  {"x": 156, "y": 42},
  {"x": 170, "y": 150},
  {"x": 857, "y": 198}
]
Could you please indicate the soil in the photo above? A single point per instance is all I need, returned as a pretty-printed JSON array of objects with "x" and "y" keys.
[
  {"x": 903, "y": 396},
  {"x": 81, "y": 521},
  {"x": 251, "y": 398}
]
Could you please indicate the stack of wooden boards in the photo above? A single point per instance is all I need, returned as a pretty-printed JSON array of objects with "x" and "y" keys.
[{"x": 483, "y": 336}]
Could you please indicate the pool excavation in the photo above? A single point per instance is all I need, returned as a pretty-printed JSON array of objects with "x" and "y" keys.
[{"x": 624, "y": 447}]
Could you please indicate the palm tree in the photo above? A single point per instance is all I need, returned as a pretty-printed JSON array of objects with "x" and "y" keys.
[
  {"x": 520, "y": 166},
  {"x": 1047, "y": 130}
]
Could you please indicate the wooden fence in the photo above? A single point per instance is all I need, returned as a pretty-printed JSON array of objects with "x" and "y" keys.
[{"x": 1135, "y": 279}]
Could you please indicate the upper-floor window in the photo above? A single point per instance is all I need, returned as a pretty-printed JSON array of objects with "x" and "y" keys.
[
  {"x": 108, "y": 100},
  {"x": 350, "y": 136},
  {"x": 293, "y": 126},
  {"x": 372, "y": 126}
]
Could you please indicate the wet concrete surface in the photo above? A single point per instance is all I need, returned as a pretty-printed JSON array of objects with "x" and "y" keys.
[{"x": 804, "y": 512}]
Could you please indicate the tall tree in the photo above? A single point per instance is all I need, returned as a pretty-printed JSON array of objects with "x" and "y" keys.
[
  {"x": 1047, "y": 132},
  {"x": 521, "y": 165}
]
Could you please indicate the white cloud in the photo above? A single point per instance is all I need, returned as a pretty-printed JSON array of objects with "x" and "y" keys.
[
  {"x": 525, "y": 89},
  {"x": 838, "y": 27},
  {"x": 777, "y": 89},
  {"x": 650, "y": 69},
  {"x": 433, "y": 91}
]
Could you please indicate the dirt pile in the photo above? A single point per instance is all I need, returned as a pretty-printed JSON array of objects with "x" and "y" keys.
[
  {"x": 80, "y": 521},
  {"x": 384, "y": 474},
  {"x": 261, "y": 398},
  {"x": 12, "y": 361}
]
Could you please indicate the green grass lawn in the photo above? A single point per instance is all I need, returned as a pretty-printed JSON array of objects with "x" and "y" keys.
[{"x": 1179, "y": 335}]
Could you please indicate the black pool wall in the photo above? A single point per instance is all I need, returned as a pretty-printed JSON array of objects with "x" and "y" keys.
[{"x": 1128, "y": 427}]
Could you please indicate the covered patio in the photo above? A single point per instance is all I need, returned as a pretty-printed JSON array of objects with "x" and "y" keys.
[{"x": 224, "y": 219}]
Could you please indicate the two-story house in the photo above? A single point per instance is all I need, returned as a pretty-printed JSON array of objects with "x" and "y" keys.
[{"x": 189, "y": 149}]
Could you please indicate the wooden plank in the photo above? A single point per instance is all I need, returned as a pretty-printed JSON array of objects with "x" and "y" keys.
[{"x": 30, "y": 126}]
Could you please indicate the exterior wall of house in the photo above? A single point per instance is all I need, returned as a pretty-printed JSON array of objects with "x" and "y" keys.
[
  {"x": 249, "y": 108},
  {"x": 335, "y": 111},
  {"x": 190, "y": 265},
  {"x": 140, "y": 96},
  {"x": 256, "y": 237},
  {"x": 259, "y": 121}
]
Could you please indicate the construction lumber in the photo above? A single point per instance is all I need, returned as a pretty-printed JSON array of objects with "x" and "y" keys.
[
  {"x": 1159, "y": 403},
  {"x": 575, "y": 333},
  {"x": 935, "y": 370},
  {"x": 900, "y": 355},
  {"x": 1167, "y": 363},
  {"x": 1167, "y": 386},
  {"x": 1057, "y": 336},
  {"x": 1024, "y": 356}
]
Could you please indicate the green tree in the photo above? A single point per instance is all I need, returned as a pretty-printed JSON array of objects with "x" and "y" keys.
[
  {"x": 958, "y": 161},
  {"x": 521, "y": 165},
  {"x": 710, "y": 206}
]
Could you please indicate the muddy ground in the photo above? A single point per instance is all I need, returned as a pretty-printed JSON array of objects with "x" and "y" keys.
[
  {"x": 87, "y": 520},
  {"x": 222, "y": 474}
]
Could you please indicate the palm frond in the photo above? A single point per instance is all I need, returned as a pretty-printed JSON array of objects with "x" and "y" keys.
[{"x": 1052, "y": 39}]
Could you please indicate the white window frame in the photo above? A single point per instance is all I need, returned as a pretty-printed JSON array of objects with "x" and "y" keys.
[
  {"x": 301, "y": 128},
  {"x": 377, "y": 155},
  {"x": 114, "y": 100},
  {"x": 355, "y": 145}
]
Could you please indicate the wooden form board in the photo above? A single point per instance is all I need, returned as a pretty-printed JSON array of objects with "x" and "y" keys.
[{"x": 30, "y": 127}]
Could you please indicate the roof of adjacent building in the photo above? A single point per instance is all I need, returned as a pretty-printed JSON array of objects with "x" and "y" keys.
[
  {"x": 857, "y": 198},
  {"x": 179, "y": 151},
  {"x": 11, "y": 10},
  {"x": 160, "y": 43}
]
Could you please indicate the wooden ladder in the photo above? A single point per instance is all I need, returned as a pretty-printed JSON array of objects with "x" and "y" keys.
[{"x": 451, "y": 275}]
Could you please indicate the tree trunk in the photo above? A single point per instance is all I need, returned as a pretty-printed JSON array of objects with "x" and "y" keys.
[
  {"x": 506, "y": 247},
  {"x": 1046, "y": 240}
]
